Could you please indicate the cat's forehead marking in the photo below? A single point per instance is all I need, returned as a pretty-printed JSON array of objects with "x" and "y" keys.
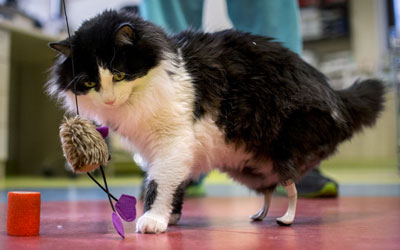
[
  {"x": 106, "y": 77},
  {"x": 104, "y": 71}
]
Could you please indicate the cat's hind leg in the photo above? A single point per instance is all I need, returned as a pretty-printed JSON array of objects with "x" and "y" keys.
[
  {"x": 260, "y": 215},
  {"x": 288, "y": 218}
]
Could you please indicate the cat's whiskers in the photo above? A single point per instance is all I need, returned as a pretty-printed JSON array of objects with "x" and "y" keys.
[
  {"x": 76, "y": 79},
  {"x": 112, "y": 59}
]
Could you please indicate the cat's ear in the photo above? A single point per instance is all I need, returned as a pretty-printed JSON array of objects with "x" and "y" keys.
[
  {"x": 124, "y": 35},
  {"x": 63, "y": 46}
]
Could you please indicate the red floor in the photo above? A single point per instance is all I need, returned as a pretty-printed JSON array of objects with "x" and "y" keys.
[{"x": 221, "y": 223}]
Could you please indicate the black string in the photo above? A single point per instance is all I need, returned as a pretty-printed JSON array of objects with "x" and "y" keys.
[
  {"x": 72, "y": 59},
  {"x": 105, "y": 184},
  {"x": 91, "y": 177}
]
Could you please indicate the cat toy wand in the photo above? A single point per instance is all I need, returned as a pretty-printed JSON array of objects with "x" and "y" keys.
[{"x": 85, "y": 149}]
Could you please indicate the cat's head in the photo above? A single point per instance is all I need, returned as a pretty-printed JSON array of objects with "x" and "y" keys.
[{"x": 111, "y": 53}]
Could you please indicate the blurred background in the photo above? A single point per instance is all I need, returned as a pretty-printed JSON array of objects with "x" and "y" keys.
[{"x": 345, "y": 39}]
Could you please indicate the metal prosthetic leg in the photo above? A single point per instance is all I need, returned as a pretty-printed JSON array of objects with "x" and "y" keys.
[
  {"x": 260, "y": 215},
  {"x": 288, "y": 218}
]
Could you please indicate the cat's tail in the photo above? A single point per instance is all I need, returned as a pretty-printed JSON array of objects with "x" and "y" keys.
[{"x": 364, "y": 102}]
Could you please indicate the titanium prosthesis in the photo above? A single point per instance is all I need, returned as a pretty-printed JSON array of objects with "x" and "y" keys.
[{"x": 288, "y": 218}]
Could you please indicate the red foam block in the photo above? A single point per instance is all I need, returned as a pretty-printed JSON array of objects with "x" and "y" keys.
[{"x": 23, "y": 213}]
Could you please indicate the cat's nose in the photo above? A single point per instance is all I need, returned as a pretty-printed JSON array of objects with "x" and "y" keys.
[{"x": 110, "y": 102}]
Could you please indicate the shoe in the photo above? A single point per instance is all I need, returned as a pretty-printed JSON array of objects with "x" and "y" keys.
[
  {"x": 195, "y": 191},
  {"x": 315, "y": 185}
]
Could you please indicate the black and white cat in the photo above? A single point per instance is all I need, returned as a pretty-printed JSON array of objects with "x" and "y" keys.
[{"x": 195, "y": 101}]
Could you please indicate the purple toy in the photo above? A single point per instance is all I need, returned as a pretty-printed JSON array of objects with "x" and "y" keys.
[
  {"x": 126, "y": 207},
  {"x": 119, "y": 227}
]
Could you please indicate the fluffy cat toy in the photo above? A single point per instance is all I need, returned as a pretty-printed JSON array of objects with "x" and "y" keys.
[
  {"x": 192, "y": 102},
  {"x": 83, "y": 144}
]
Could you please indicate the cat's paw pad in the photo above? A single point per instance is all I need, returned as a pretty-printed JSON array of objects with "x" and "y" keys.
[{"x": 151, "y": 223}]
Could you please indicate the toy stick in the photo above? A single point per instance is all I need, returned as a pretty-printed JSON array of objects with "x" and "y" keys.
[
  {"x": 75, "y": 132},
  {"x": 72, "y": 59},
  {"x": 105, "y": 184},
  {"x": 98, "y": 184}
]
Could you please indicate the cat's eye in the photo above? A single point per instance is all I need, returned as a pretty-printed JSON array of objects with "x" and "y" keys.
[
  {"x": 119, "y": 76},
  {"x": 89, "y": 84}
]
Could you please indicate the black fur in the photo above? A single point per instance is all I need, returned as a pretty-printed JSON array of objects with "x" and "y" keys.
[
  {"x": 177, "y": 200},
  {"x": 252, "y": 177},
  {"x": 271, "y": 102},
  {"x": 264, "y": 97},
  {"x": 363, "y": 101},
  {"x": 150, "y": 195},
  {"x": 94, "y": 43}
]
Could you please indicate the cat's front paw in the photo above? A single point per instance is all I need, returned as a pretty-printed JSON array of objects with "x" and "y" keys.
[{"x": 152, "y": 223}]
